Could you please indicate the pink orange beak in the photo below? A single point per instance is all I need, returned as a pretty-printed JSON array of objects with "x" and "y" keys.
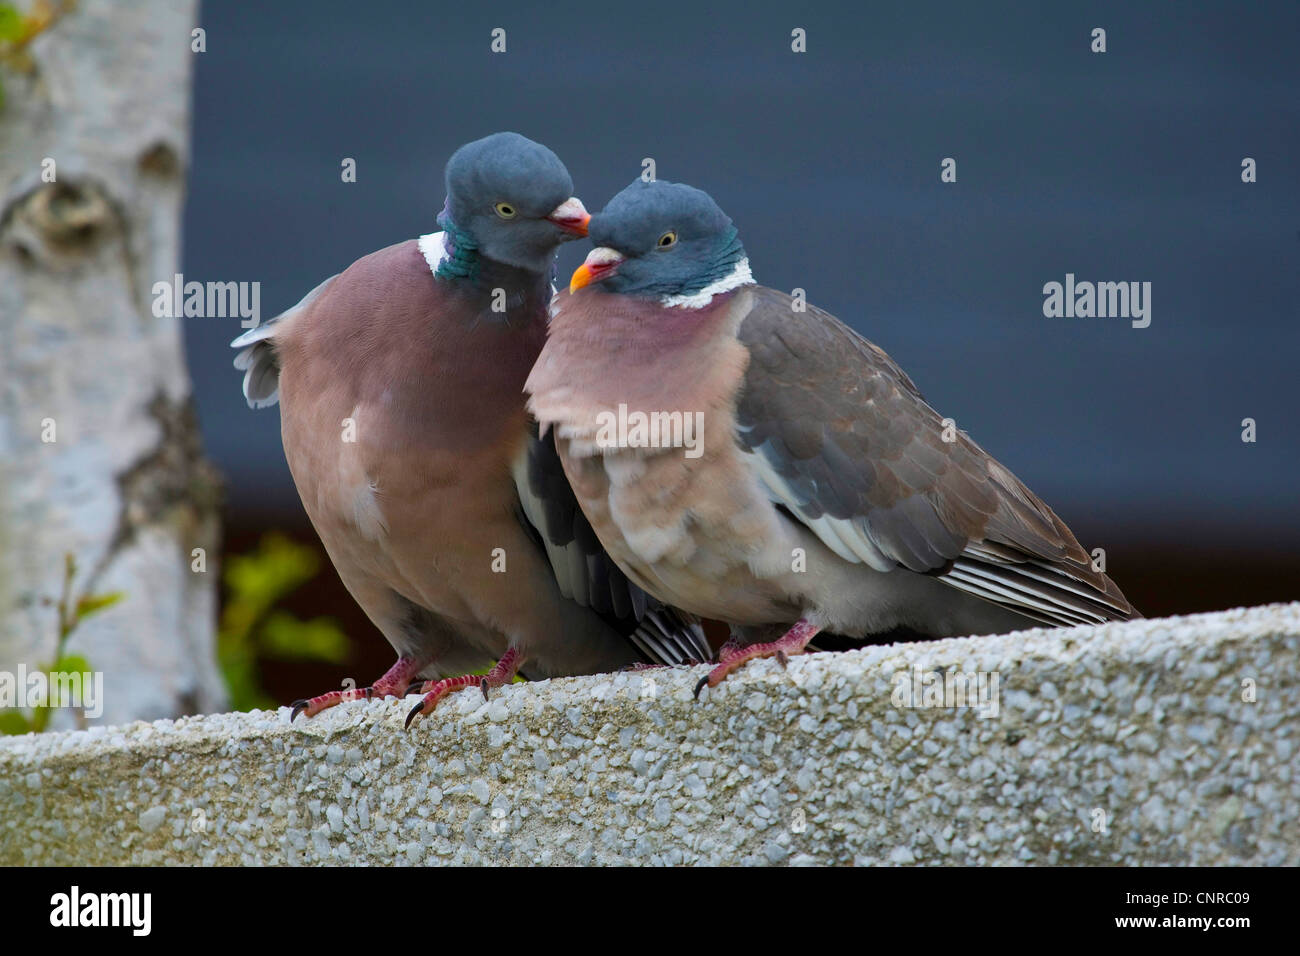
[
  {"x": 571, "y": 216},
  {"x": 600, "y": 263}
]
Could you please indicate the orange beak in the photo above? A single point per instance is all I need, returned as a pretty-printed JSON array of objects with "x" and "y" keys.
[
  {"x": 600, "y": 263},
  {"x": 571, "y": 216}
]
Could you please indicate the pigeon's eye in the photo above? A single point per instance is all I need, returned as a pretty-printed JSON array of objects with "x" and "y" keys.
[
  {"x": 669, "y": 238},
  {"x": 505, "y": 210}
]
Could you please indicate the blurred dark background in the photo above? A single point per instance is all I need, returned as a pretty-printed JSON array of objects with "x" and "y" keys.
[{"x": 1122, "y": 166}]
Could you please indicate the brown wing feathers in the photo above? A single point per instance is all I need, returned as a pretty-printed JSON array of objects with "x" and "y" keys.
[{"x": 848, "y": 444}]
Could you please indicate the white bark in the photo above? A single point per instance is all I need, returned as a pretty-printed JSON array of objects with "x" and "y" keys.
[{"x": 124, "y": 487}]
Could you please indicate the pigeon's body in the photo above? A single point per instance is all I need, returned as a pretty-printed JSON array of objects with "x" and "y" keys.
[
  {"x": 720, "y": 535},
  {"x": 413, "y": 510},
  {"x": 828, "y": 491},
  {"x": 696, "y": 528},
  {"x": 400, "y": 382}
]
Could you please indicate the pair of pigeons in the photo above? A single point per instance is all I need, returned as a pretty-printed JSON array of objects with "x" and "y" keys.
[{"x": 447, "y": 419}]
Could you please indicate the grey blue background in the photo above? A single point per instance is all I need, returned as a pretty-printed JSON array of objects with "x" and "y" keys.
[{"x": 1117, "y": 166}]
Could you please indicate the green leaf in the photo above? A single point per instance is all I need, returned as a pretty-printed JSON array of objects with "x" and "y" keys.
[
  {"x": 12, "y": 26},
  {"x": 239, "y": 669},
  {"x": 40, "y": 718},
  {"x": 71, "y": 664},
  {"x": 319, "y": 639},
  {"x": 94, "y": 603},
  {"x": 278, "y": 566},
  {"x": 252, "y": 627},
  {"x": 14, "y": 722}
]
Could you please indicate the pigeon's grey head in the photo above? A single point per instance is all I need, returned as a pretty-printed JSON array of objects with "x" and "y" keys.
[
  {"x": 512, "y": 199},
  {"x": 660, "y": 239}
]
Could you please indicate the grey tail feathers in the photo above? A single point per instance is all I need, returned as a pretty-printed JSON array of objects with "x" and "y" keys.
[
  {"x": 666, "y": 635},
  {"x": 261, "y": 370},
  {"x": 258, "y": 360}
]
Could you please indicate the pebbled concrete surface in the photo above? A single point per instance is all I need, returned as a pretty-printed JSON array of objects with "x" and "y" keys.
[{"x": 1168, "y": 741}]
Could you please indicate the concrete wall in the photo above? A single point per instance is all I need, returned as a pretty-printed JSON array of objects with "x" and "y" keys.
[{"x": 1158, "y": 741}]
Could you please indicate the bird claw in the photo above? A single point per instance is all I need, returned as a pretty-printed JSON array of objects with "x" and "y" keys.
[
  {"x": 415, "y": 712},
  {"x": 502, "y": 673},
  {"x": 793, "y": 641},
  {"x": 387, "y": 686}
]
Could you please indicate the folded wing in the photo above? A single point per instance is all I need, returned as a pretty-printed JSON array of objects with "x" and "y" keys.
[
  {"x": 586, "y": 574},
  {"x": 843, "y": 440}
]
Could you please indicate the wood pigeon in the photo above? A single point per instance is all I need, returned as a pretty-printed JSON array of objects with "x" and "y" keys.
[
  {"x": 767, "y": 466},
  {"x": 400, "y": 382}
]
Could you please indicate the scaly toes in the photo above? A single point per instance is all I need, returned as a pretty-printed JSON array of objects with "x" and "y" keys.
[
  {"x": 314, "y": 705},
  {"x": 731, "y": 656},
  {"x": 387, "y": 686},
  {"x": 438, "y": 690},
  {"x": 715, "y": 677},
  {"x": 502, "y": 673}
]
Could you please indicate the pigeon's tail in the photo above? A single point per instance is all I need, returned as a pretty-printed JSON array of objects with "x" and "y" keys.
[
  {"x": 1059, "y": 593},
  {"x": 258, "y": 360},
  {"x": 668, "y": 636},
  {"x": 260, "y": 367},
  {"x": 586, "y": 574}
]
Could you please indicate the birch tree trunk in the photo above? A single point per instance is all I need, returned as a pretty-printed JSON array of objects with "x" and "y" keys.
[{"x": 102, "y": 110}]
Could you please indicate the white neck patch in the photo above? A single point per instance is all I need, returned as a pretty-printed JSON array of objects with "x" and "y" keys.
[
  {"x": 697, "y": 300},
  {"x": 434, "y": 249}
]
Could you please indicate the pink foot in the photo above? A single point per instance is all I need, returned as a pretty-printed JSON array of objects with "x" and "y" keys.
[
  {"x": 732, "y": 655},
  {"x": 503, "y": 673},
  {"x": 392, "y": 684}
]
